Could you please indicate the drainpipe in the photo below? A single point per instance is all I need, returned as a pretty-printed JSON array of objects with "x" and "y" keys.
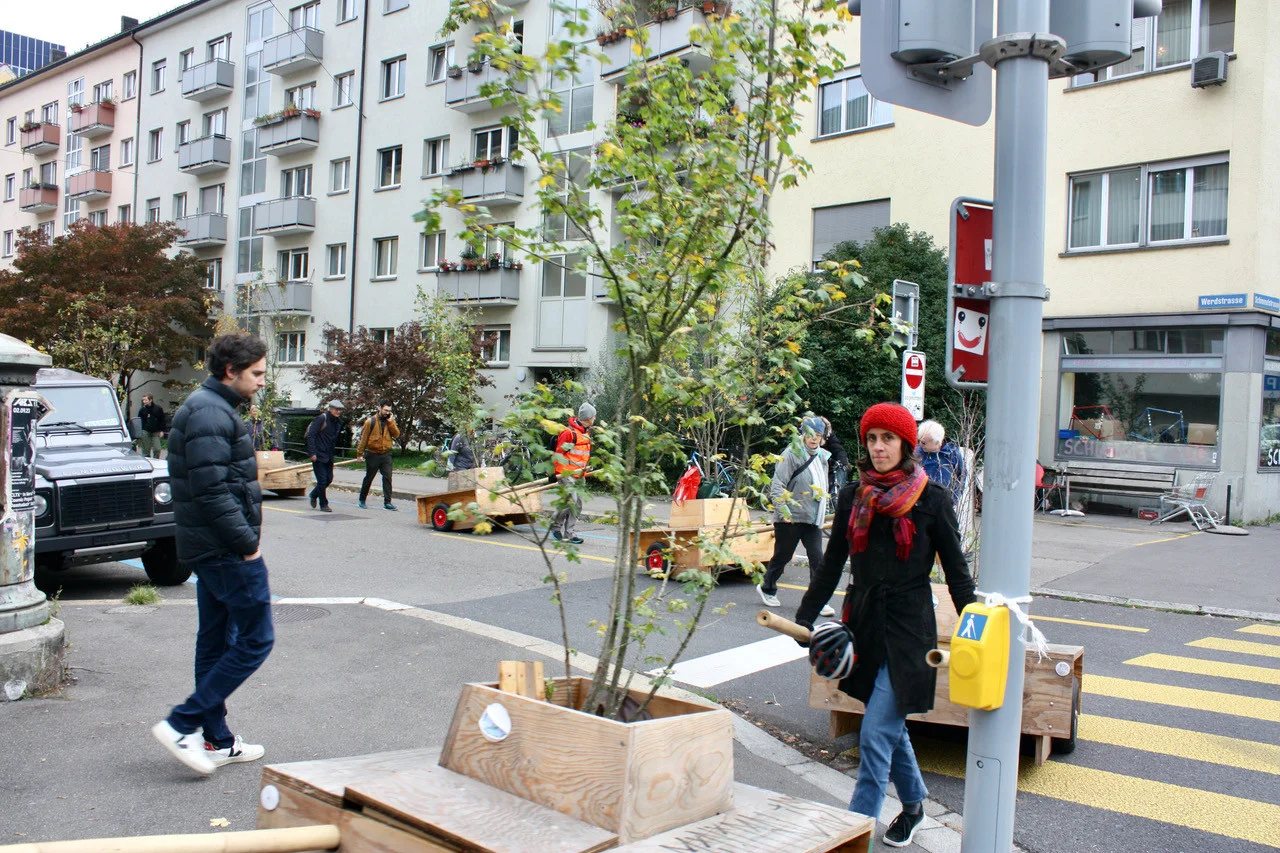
[
  {"x": 356, "y": 168},
  {"x": 137, "y": 127}
]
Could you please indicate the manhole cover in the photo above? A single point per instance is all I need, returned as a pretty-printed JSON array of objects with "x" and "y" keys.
[{"x": 296, "y": 613}]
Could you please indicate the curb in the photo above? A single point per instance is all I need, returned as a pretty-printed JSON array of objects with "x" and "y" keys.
[{"x": 1145, "y": 604}]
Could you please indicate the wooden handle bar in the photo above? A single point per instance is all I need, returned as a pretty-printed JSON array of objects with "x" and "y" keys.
[
  {"x": 937, "y": 658},
  {"x": 294, "y": 839},
  {"x": 782, "y": 625}
]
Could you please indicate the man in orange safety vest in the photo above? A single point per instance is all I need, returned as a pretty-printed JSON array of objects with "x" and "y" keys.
[{"x": 573, "y": 452}]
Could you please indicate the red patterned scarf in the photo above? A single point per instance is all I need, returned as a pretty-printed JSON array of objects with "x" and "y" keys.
[{"x": 893, "y": 494}]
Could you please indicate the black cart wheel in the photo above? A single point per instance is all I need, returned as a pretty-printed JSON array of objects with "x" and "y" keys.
[
  {"x": 656, "y": 562},
  {"x": 1067, "y": 745},
  {"x": 440, "y": 517}
]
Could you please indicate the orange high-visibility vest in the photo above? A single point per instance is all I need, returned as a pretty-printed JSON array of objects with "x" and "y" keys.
[{"x": 574, "y": 459}]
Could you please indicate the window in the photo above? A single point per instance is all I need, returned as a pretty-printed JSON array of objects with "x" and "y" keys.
[
  {"x": 291, "y": 347},
  {"x": 70, "y": 211},
  {"x": 100, "y": 158},
  {"x": 431, "y": 251},
  {"x": 496, "y": 345},
  {"x": 296, "y": 182},
  {"x": 28, "y": 177},
  {"x": 845, "y": 105},
  {"x": 11, "y": 130},
  {"x": 494, "y": 143},
  {"x": 45, "y": 230},
  {"x": 1183, "y": 202},
  {"x": 389, "y": 168},
  {"x": 29, "y": 117},
  {"x": 438, "y": 64},
  {"x": 577, "y": 95},
  {"x": 213, "y": 274},
  {"x": 212, "y": 198},
  {"x": 75, "y": 92},
  {"x": 435, "y": 156},
  {"x": 562, "y": 309},
  {"x": 183, "y": 133},
  {"x": 302, "y": 97},
  {"x": 340, "y": 175},
  {"x": 155, "y": 145},
  {"x": 157, "y": 76},
  {"x": 129, "y": 85},
  {"x": 49, "y": 172},
  {"x": 103, "y": 91},
  {"x": 393, "y": 78},
  {"x": 185, "y": 59},
  {"x": 307, "y": 15},
  {"x": 257, "y": 86},
  {"x": 382, "y": 336},
  {"x": 346, "y": 11},
  {"x": 6, "y": 246},
  {"x": 214, "y": 123},
  {"x": 844, "y": 222},
  {"x": 49, "y": 113},
  {"x": 1184, "y": 30},
  {"x": 98, "y": 218},
  {"x": 153, "y": 210},
  {"x": 570, "y": 178},
  {"x": 126, "y": 152},
  {"x": 219, "y": 48},
  {"x": 179, "y": 205},
  {"x": 258, "y": 25},
  {"x": 75, "y": 153},
  {"x": 385, "y": 250},
  {"x": 124, "y": 213},
  {"x": 342, "y": 85},
  {"x": 253, "y": 165},
  {"x": 10, "y": 186},
  {"x": 389, "y": 6},
  {"x": 337, "y": 257},
  {"x": 248, "y": 246},
  {"x": 294, "y": 264}
]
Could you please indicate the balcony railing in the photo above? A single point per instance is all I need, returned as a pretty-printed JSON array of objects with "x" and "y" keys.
[
  {"x": 492, "y": 186},
  {"x": 287, "y": 297},
  {"x": 93, "y": 120},
  {"x": 462, "y": 89},
  {"x": 293, "y": 51},
  {"x": 206, "y": 154},
  {"x": 285, "y": 216},
  {"x": 208, "y": 80},
  {"x": 42, "y": 138},
  {"x": 89, "y": 185},
  {"x": 39, "y": 198},
  {"x": 663, "y": 38},
  {"x": 289, "y": 135},
  {"x": 499, "y": 286},
  {"x": 203, "y": 229}
]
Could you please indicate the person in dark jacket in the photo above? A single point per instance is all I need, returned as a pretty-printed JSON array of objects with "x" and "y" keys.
[
  {"x": 153, "y": 426},
  {"x": 890, "y": 524},
  {"x": 217, "y": 506},
  {"x": 322, "y": 438},
  {"x": 838, "y": 466},
  {"x": 463, "y": 458},
  {"x": 943, "y": 461}
]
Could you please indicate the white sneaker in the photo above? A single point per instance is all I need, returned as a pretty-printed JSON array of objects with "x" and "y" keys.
[
  {"x": 237, "y": 752},
  {"x": 769, "y": 600},
  {"x": 827, "y": 610},
  {"x": 189, "y": 749}
]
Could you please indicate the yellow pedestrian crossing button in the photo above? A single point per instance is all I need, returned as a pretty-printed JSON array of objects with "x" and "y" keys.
[{"x": 980, "y": 657}]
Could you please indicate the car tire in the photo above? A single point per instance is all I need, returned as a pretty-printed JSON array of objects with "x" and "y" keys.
[{"x": 161, "y": 564}]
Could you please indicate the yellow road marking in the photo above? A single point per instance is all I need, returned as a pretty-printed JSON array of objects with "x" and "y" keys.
[
  {"x": 1241, "y": 646},
  {"x": 1221, "y": 814},
  {"x": 1166, "y": 539},
  {"x": 1196, "y": 666},
  {"x": 804, "y": 588},
  {"x": 1265, "y": 630},
  {"x": 282, "y": 509},
  {"x": 486, "y": 541},
  {"x": 1091, "y": 624},
  {"x": 1181, "y": 743},
  {"x": 1183, "y": 697},
  {"x": 1137, "y": 531}
]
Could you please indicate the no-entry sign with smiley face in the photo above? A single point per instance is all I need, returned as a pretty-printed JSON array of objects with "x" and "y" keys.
[{"x": 968, "y": 309}]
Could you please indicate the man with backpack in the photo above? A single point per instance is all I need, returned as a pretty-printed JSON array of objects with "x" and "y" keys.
[
  {"x": 322, "y": 439},
  {"x": 377, "y": 439}
]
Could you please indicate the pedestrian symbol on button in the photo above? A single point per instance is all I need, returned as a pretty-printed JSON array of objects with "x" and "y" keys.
[{"x": 971, "y": 626}]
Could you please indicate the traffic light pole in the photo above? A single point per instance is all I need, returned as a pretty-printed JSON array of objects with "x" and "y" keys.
[{"x": 1021, "y": 109}]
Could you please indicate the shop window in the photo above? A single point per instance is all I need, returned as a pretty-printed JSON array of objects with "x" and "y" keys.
[{"x": 1269, "y": 443}]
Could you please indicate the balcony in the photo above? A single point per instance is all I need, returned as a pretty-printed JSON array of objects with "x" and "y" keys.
[
  {"x": 664, "y": 39},
  {"x": 491, "y": 186},
  {"x": 93, "y": 120},
  {"x": 293, "y": 51},
  {"x": 287, "y": 297},
  {"x": 289, "y": 135},
  {"x": 208, "y": 80},
  {"x": 203, "y": 229},
  {"x": 462, "y": 92},
  {"x": 206, "y": 154},
  {"x": 285, "y": 216},
  {"x": 38, "y": 198},
  {"x": 42, "y": 138},
  {"x": 499, "y": 286},
  {"x": 90, "y": 185}
]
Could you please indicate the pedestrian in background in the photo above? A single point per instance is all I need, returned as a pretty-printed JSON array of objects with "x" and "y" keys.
[
  {"x": 891, "y": 524},
  {"x": 217, "y": 506},
  {"x": 801, "y": 473},
  {"x": 838, "y": 469},
  {"x": 154, "y": 423},
  {"x": 942, "y": 459},
  {"x": 377, "y": 440},
  {"x": 257, "y": 432},
  {"x": 463, "y": 458},
  {"x": 573, "y": 454},
  {"x": 322, "y": 439}
]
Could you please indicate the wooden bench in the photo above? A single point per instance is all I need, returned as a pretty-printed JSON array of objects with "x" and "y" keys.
[{"x": 1142, "y": 481}]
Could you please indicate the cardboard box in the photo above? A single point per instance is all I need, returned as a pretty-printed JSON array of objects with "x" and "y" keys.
[{"x": 1202, "y": 434}]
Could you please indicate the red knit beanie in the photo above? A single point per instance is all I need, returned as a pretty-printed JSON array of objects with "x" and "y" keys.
[{"x": 892, "y": 417}]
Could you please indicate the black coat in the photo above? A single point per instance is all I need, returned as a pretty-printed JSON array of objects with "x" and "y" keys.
[
  {"x": 217, "y": 503},
  {"x": 889, "y": 604},
  {"x": 153, "y": 418},
  {"x": 836, "y": 449},
  {"x": 322, "y": 436}
]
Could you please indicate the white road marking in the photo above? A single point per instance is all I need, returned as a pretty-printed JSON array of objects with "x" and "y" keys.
[{"x": 710, "y": 670}]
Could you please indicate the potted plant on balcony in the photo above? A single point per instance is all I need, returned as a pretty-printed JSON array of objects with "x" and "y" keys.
[
  {"x": 311, "y": 113},
  {"x": 474, "y": 66},
  {"x": 495, "y": 261},
  {"x": 446, "y": 266},
  {"x": 454, "y": 72},
  {"x": 482, "y": 164},
  {"x": 471, "y": 259},
  {"x": 108, "y": 101},
  {"x": 28, "y": 126},
  {"x": 290, "y": 112}
]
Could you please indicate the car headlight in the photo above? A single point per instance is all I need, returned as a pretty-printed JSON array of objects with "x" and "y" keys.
[
  {"x": 162, "y": 493},
  {"x": 41, "y": 506}
]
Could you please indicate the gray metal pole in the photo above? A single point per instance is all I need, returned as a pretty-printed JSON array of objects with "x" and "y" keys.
[{"x": 1013, "y": 395}]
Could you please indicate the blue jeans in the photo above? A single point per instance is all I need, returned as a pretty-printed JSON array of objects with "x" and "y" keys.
[
  {"x": 324, "y": 476},
  {"x": 235, "y": 636},
  {"x": 885, "y": 753}
]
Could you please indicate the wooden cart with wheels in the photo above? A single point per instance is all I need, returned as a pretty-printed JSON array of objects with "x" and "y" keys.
[
  {"x": 287, "y": 481},
  {"x": 505, "y": 505},
  {"x": 665, "y": 548}
]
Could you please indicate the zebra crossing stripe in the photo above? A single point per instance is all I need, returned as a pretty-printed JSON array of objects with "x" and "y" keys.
[
  {"x": 1197, "y": 666},
  {"x": 1253, "y": 708},
  {"x": 1181, "y": 743},
  {"x": 1264, "y": 630},
  {"x": 1243, "y": 647}
]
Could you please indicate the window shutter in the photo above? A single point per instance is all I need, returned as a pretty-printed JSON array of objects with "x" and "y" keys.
[{"x": 832, "y": 225}]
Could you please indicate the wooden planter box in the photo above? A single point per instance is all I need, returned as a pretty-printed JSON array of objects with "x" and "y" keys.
[
  {"x": 633, "y": 779},
  {"x": 476, "y": 477},
  {"x": 709, "y": 512}
]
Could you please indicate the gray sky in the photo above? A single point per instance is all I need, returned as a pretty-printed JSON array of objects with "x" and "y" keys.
[{"x": 76, "y": 23}]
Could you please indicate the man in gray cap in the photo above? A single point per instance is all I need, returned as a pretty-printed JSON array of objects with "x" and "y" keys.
[
  {"x": 573, "y": 454},
  {"x": 322, "y": 438}
]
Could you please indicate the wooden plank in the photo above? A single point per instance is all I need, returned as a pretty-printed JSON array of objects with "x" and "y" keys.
[
  {"x": 360, "y": 834},
  {"x": 475, "y": 477},
  {"x": 1043, "y": 743},
  {"x": 765, "y": 822},
  {"x": 522, "y": 677},
  {"x": 327, "y": 779},
  {"x": 709, "y": 512},
  {"x": 473, "y": 816}
]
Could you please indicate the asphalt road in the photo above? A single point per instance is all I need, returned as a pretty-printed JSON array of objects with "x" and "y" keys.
[{"x": 1177, "y": 748}]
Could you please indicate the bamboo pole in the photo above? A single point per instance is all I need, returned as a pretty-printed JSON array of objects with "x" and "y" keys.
[
  {"x": 295, "y": 839},
  {"x": 302, "y": 465}
]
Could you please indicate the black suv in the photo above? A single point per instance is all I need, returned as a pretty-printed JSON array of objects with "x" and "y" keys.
[{"x": 97, "y": 499}]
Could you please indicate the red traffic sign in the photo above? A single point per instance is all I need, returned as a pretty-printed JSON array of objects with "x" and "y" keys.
[
  {"x": 913, "y": 370},
  {"x": 913, "y": 383},
  {"x": 968, "y": 308}
]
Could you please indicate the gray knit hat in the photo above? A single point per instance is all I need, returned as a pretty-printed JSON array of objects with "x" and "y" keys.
[{"x": 586, "y": 411}]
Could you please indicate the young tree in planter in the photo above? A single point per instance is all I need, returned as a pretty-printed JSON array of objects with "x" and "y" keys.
[
  {"x": 703, "y": 152},
  {"x": 107, "y": 300}
]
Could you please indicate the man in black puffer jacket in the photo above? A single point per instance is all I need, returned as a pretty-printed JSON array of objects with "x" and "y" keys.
[{"x": 218, "y": 510}]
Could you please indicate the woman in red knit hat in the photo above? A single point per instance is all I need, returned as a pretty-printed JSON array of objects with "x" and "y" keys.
[{"x": 890, "y": 524}]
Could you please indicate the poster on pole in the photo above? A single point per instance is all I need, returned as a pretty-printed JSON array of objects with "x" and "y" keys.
[
  {"x": 968, "y": 307},
  {"x": 913, "y": 383}
]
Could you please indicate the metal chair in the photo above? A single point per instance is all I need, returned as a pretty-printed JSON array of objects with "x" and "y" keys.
[{"x": 1189, "y": 498}]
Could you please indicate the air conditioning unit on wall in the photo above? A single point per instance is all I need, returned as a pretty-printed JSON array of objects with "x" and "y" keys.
[{"x": 1209, "y": 70}]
